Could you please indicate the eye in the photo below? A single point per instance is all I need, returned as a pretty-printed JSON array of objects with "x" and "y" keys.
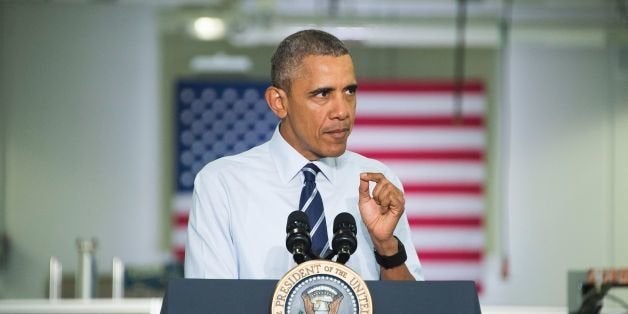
[
  {"x": 351, "y": 90},
  {"x": 323, "y": 93}
]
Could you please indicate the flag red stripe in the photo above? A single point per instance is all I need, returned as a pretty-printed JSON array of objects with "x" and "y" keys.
[
  {"x": 444, "y": 188},
  {"x": 479, "y": 287},
  {"x": 441, "y": 155},
  {"x": 439, "y": 121},
  {"x": 427, "y": 256},
  {"x": 407, "y": 86},
  {"x": 456, "y": 221},
  {"x": 181, "y": 219},
  {"x": 179, "y": 253}
]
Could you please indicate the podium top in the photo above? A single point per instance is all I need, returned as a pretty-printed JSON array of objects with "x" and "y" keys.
[{"x": 196, "y": 296}]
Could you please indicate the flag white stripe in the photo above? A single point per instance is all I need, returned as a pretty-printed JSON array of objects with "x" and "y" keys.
[
  {"x": 396, "y": 138},
  {"x": 453, "y": 212},
  {"x": 439, "y": 171},
  {"x": 424, "y": 204},
  {"x": 182, "y": 202},
  {"x": 448, "y": 238},
  {"x": 179, "y": 236},
  {"x": 398, "y": 103},
  {"x": 453, "y": 271}
]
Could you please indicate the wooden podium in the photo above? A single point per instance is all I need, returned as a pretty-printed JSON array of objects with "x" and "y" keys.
[{"x": 196, "y": 296}]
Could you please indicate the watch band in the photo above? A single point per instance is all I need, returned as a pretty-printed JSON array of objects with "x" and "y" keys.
[{"x": 393, "y": 260}]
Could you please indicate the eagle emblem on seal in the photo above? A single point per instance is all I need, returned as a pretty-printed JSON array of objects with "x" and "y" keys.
[{"x": 322, "y": 299}]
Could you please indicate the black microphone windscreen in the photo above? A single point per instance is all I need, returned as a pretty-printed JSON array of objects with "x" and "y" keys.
[
  {"x": 297, "y": 218},
  {"x": 343, "y": 218}
]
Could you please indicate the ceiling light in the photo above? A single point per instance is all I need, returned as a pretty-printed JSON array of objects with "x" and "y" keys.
[{"x": 209, "y": 28}]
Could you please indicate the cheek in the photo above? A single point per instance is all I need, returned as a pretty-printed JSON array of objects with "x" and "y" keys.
[
  {"x": 313, "y": 121},
  {"x": 308, "y": 127}
]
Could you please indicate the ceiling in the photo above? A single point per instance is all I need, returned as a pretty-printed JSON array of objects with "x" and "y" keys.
[
  {"x": 386, "y": 22},
  {"x": 588, "y": 10}
]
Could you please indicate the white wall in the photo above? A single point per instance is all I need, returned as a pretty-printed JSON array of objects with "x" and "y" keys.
[
  {"x": 2, "y": 146},
  {"x": 565, "y": 177},
  {"x": 619, "y": 64},
  {"x": 82, "y": 145}
]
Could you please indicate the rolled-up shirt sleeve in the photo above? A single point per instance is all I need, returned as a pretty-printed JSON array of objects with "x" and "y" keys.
[{"x": 209, "y": 250}]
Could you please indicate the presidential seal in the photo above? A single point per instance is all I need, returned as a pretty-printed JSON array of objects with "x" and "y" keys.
[{"x": 321, "y": 287}]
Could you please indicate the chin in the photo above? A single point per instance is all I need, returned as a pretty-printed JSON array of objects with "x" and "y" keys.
[{"x": 336, "y": 152}]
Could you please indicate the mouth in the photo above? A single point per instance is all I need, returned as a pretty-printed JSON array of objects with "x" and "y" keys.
[{"x": 339, "y": 133}]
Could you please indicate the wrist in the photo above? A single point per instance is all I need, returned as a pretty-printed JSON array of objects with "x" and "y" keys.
[
  {"x": 392, "y": 260},
  {"x": 387, "y": 247}
]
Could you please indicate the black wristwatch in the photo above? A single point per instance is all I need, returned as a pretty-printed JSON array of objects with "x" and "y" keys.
[{"x": 393, "y": 260}]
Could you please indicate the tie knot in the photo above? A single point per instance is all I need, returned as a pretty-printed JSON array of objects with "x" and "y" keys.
[{"x": 309, "y": 171}]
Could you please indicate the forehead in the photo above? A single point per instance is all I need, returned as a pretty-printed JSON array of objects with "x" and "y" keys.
[{"x": 325, "y": 68}]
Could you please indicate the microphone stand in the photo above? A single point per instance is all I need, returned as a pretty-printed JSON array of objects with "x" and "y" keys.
[
  {"x": 343, "y": 255},
  {"x": 330, "y": 255}
]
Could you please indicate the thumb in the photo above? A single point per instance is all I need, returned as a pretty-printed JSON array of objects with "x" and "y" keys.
[{"x": 363, "y": 189}]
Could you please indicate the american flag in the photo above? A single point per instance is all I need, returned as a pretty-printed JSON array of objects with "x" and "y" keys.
[
  {"x": 438, "y": 153},
  {"x": 413, "y": 127}
]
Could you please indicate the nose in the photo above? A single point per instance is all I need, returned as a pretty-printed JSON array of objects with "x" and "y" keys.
[{"x": 342, "y": 108}]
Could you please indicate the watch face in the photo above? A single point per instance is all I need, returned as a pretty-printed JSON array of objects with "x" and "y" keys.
[{"x": 321, "y": 286}]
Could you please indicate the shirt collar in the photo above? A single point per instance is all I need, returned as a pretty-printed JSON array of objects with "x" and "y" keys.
[{"x": 289, "y": 162}]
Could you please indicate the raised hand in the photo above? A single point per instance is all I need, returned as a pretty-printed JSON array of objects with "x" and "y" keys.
[{"x": 381, "y": 210}]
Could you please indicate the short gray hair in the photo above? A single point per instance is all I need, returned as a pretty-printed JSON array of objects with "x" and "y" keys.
[{"x": 291, "y": 51}]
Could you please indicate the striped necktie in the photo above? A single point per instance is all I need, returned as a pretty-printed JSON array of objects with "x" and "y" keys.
[{"x": 312, "y": 204}]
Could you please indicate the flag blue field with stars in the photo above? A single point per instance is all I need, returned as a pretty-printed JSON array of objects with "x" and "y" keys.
[{"x": 216, "y": 119}]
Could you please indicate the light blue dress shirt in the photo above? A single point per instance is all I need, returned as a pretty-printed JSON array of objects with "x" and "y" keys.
[{"x": 237, "y": 224}]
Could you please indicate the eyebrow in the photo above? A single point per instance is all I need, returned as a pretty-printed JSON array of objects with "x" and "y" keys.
[
  {"x": 321, "y": 90},
  {"x": 351, "y": 87}
]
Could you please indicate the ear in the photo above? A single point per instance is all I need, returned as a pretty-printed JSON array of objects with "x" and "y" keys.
[{"x": 277, "y": 101}]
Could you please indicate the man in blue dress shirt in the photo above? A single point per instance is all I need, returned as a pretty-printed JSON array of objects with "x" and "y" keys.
[{"x": 237, "y": 222}]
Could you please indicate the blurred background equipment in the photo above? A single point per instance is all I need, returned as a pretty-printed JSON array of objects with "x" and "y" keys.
[
  {"x": 55, "y": 281},
  {"x": 590, "y": 290},
  {"x": 124, "y": 281},
  {"x": 117, "y": 279},
  {"x": 86, "y": 273}
]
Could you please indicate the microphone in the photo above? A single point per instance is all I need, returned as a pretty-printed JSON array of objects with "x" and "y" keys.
[
  {"x": 344, "y": 243},
  {"x": 298, "y": 241}
]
